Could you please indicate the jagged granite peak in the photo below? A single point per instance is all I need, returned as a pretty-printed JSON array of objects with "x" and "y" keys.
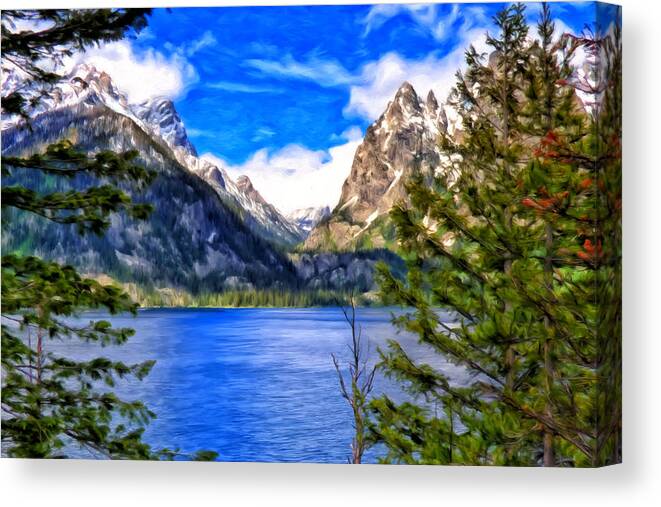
[
  {"x": 406, "y": 93},
  {"x": 308, "y": 218},
  {"x": 432, "y": 103},
  {"x": 160, "y": 114},
  {"x": 403, "y": 140},
  {"x": 87, "y": 76},
  {"x": 405, "y": 104},
  {"x": 246, "y": 187}
]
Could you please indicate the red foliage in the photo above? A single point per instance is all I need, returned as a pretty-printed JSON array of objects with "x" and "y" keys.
[
  {"x": 548, "y": 203},
  {"x": 530, "y": 203},
  {"x": 586, "y": 257},
  {"x": 586, "y": 183},
  {"x": 590, "y": 252},
  {"x": 550, "y": 138},
  {"x": 589, "y": 247}
]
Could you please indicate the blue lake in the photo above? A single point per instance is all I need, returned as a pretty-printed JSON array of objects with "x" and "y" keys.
[{"x": 251, "y": 384}]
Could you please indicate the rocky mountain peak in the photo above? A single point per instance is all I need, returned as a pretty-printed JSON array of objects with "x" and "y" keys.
[
  {"x": 432, "y": 103},
  {"x": 405, "y": 105},
  {"x": 402, "y": 141},
  {"x": 86, "y": 77},
  {"x": 406, "y": 93},
  {"x": 160, "y": 114},
  {"x": 246, "y": 187}
]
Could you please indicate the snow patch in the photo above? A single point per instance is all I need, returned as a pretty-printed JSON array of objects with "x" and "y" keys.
[
  {"x": 350, "y": 202},
  {"x": 398, "y": 176}
]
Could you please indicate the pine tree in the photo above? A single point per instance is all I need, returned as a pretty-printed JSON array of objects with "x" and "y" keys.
[
  {"x": 551, "y": 117},
  {"x": 51, "y": 403},
  {"x": 462, "y": 240},
  {"x": 505, "y": 242},
  {"x": 573, "y": 187}
]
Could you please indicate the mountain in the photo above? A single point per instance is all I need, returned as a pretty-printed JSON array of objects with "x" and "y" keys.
[
  {"x": 159, "y": 118},
  {"x": 162, "y": 118},
  {"x": 245, "y": 186},
  {"x": 270, "y": 222},
  {"x": 403, "y": 140},
  {"x": 195, "y": 238},
  {"x": 260, "y": 216},
  {"x": 308, "y": 218}
]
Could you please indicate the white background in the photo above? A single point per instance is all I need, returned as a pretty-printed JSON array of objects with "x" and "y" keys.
[{"x": 636, "y": 482}]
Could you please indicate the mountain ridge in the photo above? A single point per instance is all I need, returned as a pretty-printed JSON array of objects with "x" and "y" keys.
[
  {"x": 158, "y": 118},
  {"x": 402, "y": 141},
  {"x": 193, "y": 238}
]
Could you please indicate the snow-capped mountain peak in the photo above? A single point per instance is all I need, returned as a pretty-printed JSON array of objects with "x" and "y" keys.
[
  {"x": 85, "y": 84},
  {"x": 161, "y": 115}
]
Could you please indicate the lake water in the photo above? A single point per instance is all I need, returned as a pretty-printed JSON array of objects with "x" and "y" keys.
[{"x": 250, "y": 384}]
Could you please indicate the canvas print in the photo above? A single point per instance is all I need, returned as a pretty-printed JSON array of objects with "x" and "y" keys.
[{"x": 329, "y": 234}]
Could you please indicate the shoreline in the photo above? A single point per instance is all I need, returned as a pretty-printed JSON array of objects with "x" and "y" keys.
[{"x": 211, "y": 307}]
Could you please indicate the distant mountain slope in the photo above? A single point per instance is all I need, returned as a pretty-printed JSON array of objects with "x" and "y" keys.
[
  {"x": 403, "y": 140},
  {"x": 262, "y": 217},
  {"x": 193, "y": 239},
  {"x": 308, "y": 218}
]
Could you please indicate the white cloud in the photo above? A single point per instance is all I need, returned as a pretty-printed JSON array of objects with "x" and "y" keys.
[
  {"x": 140, "y": 75},
  {"x": 375, "y": 83},
  {"x": 262, "y": 133},
  {"x": 193, "y": 132},
  {"x": 206, "y": 40},
  {"x": 379, "y": 14},
  {"x": 428, "y": 17},
  {"x": 296, "y": 177},
  {"x": 326, "y": 73},
  {"x": 230, "y": 86},
  {"x": 381, "y": 79}
]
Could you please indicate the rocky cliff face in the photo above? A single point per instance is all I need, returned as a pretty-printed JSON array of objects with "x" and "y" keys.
[
  {"x": 263, "y": 216},
  {"x": 246, "y": 187},
  {"x": 403, "y": 140}
]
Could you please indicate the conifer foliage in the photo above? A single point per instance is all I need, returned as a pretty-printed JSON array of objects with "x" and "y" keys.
[
  {"x": 510, "y": 242},
  {"x": 52, "y": 403}
]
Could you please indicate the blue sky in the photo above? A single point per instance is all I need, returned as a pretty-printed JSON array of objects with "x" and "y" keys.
[{"x": 287, "y": 92}]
